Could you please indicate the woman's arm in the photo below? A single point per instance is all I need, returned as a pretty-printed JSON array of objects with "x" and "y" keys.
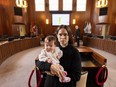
[
  {"x": 43, "y": 66},
  {"x": 76, "y": 66},
  {"x": 55, "y": 69}
]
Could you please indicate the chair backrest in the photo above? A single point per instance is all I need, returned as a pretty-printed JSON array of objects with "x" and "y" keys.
[{"x": 83, "y": 80}]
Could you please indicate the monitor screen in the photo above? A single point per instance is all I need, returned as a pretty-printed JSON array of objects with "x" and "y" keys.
[
  {"x": 17, "y": 11},
  {"x": 103, "y": 11},
  {"x": 59, "y": 19}
]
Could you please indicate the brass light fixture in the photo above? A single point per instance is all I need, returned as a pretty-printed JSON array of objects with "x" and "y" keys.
[
  {"x": 74, "y": 21},
  {"x": 101, "y": 3},
  {"x": 47, "y": 21},
  {"x": 21, "y": 3}
]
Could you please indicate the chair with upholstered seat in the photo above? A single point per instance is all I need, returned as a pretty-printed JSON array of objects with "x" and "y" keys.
[{"x": 83, "y": 80}]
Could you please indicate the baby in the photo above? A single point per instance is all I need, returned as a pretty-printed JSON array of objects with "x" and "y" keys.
[{"x": 52, "y": 54}]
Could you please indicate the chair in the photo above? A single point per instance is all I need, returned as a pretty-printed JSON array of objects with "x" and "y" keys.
[{"x": 83, "y": 80}]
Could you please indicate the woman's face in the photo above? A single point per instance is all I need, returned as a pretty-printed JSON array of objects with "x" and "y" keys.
[{"x": 63, "y": 37}]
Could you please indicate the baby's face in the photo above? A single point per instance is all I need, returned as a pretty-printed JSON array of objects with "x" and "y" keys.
[{"x": 50, "y": 46}]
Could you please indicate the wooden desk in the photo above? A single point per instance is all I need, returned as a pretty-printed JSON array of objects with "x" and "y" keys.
[
  {"x": 107, "y": 45},
  {"x": 84, "y": 49},
  {"x": 94, "y": 55},
  {"x": 88, "y": 63},
  {"x": 91, "y": 62},
  {"x": 7, "y": 49}
]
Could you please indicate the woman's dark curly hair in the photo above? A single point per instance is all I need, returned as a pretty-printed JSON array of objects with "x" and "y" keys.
[{"x": 68, "y": 30}]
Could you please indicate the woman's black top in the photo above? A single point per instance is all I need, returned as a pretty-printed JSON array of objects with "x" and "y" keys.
[{"x": 71, "y": 63}]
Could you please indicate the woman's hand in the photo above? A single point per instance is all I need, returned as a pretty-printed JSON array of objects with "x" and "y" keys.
[{"x": 57, "y": 70}]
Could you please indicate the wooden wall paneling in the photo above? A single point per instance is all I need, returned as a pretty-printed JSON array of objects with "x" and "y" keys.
[
  {"x": 31, "y": 11},
  {"x": 15, "y": 30},
  {"x": 113, "y": 17},
  {"x": 40, "y": 20},
  {"x": 1, "y": 26},
  {"x": 94, "y": 16},
  {"x": 3, "y": 16},
  {"x": 110, "y": 18},
  {"x": 26, "y": 20},
  {"x": 10, "y": 19},
  {"x": 7, "y": 17},
  {"x": 110, "y": 15},
  {"x": 40, "y": 17},
  {"x": 60, "y": 5}
]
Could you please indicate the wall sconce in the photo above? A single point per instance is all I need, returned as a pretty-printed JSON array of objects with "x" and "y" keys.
[
  {"x": 21, "y": 3},
  {"x": 47, "y": 21},
  {"x": 74, "y": 21},
  {"x": 101, "y": 3}
]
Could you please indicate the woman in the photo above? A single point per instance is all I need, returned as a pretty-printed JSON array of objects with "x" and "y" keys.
[{"x": 70, "y": 61}]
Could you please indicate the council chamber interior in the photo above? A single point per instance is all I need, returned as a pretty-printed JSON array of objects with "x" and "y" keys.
[{"x": 25, "y": 23}]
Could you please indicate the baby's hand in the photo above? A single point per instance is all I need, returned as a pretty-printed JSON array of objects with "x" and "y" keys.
[{"x": 49, "y": 60}]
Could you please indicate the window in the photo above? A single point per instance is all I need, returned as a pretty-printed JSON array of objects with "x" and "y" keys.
[
  {"x": 67, "y": 5},
  {"x": 81, "y": 5},
  {"x": 53, "y": 5},
  {"x": 39, "y": 5}
]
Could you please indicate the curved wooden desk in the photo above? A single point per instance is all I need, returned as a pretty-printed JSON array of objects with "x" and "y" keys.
[
  {"x": 7, "y": 49},
  {"x": 107, "y": 45}
]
